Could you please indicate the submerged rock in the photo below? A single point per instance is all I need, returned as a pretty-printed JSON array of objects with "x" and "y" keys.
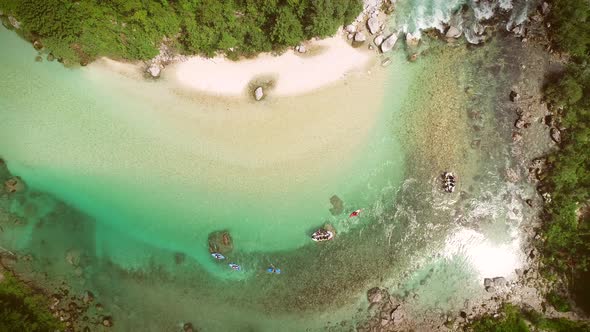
[
  {"x": 514, "y": 96},
  {"x": 388, "y": 43},
  {"x": 73, "y": 257},
  {"x": 516, "y": 136},
  {"x": 258, "y": 93},
  {"x": 377, "y": 295},
  {"x": 14, "y": 185},
  {"x": 337, "y": 205},
  {"x": 107, "y": 321},
  {"x": 88, "y": 297},
  {"x": 188, "y": 327},
  {"x": 220, "y": 242}
]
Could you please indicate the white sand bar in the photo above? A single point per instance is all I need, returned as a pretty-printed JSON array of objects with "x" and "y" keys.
[{"x": 293, "y": 73}]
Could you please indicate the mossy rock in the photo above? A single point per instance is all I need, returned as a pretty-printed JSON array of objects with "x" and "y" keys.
[{"x": 221, "y": 242}]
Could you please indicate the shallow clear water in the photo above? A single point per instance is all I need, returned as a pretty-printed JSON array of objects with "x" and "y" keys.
[{"x": 147, "y": 170}]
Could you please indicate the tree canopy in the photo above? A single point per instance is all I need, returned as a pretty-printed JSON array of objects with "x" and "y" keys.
[{"x": 80, "y": 31}]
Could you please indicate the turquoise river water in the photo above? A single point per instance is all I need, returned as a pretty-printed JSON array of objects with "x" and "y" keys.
[{"x": 126, "y": 178}]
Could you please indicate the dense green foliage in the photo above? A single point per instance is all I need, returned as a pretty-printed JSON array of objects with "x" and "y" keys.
[
  {"x": 512, "y": 319},
  {"x": 80, "y": 31},
  {"x": 22, "y": 310},
  {"x": 567, "y": 246},
  {"x": 570, "y": 26}
]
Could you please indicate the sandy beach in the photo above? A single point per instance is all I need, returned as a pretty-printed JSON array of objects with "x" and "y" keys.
[{"x": 325, "y": 62}]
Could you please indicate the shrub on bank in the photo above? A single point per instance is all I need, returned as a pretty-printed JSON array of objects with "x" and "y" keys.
[
  {"x": 23, "y": 310},
  {"x": 514, "y": 319}
]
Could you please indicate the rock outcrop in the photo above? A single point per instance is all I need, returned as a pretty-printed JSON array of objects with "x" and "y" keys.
[{"x": 159, "y": 62}]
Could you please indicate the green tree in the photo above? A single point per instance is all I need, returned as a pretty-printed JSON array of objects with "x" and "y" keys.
[{"x": 287, "y": 29}]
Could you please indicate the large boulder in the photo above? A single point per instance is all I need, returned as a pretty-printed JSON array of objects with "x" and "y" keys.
[
  {"x": 221, "y": 242},
  {"x": 373, "y": 25},
  {"x": 388, "y": 43}
]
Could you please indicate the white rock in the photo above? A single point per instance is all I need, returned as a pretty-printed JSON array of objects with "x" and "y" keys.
[
  {"x": 258, "y": 94},
  {"x": 378, "y": 40},
  {"x": 351, "y": 28},
  {"x": 359, "y": 37},
  {"x": 350, "y": 36},
  {"x": 301, "y": 49},
  {"x": 154, "y": 70},
  {"x": 388, "y": 43},
  {"x": 373, "y": 24}
]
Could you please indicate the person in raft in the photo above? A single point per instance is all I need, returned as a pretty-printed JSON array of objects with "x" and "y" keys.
[
  {"x": 273, "y": 269},
  {"x": 217, "y": 255},
  {"x": 235, "y": 267}
]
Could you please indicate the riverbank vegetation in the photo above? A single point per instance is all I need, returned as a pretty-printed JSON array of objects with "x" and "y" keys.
[
  {"x": 513, "y": 319},
  {"x": 80, "y": 31},
  {"x": 21, "y": 309},
  {"x": 567, "y": 230}
]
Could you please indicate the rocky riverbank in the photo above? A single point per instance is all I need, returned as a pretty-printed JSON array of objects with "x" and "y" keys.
[{"x": 534, "y": 134}]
